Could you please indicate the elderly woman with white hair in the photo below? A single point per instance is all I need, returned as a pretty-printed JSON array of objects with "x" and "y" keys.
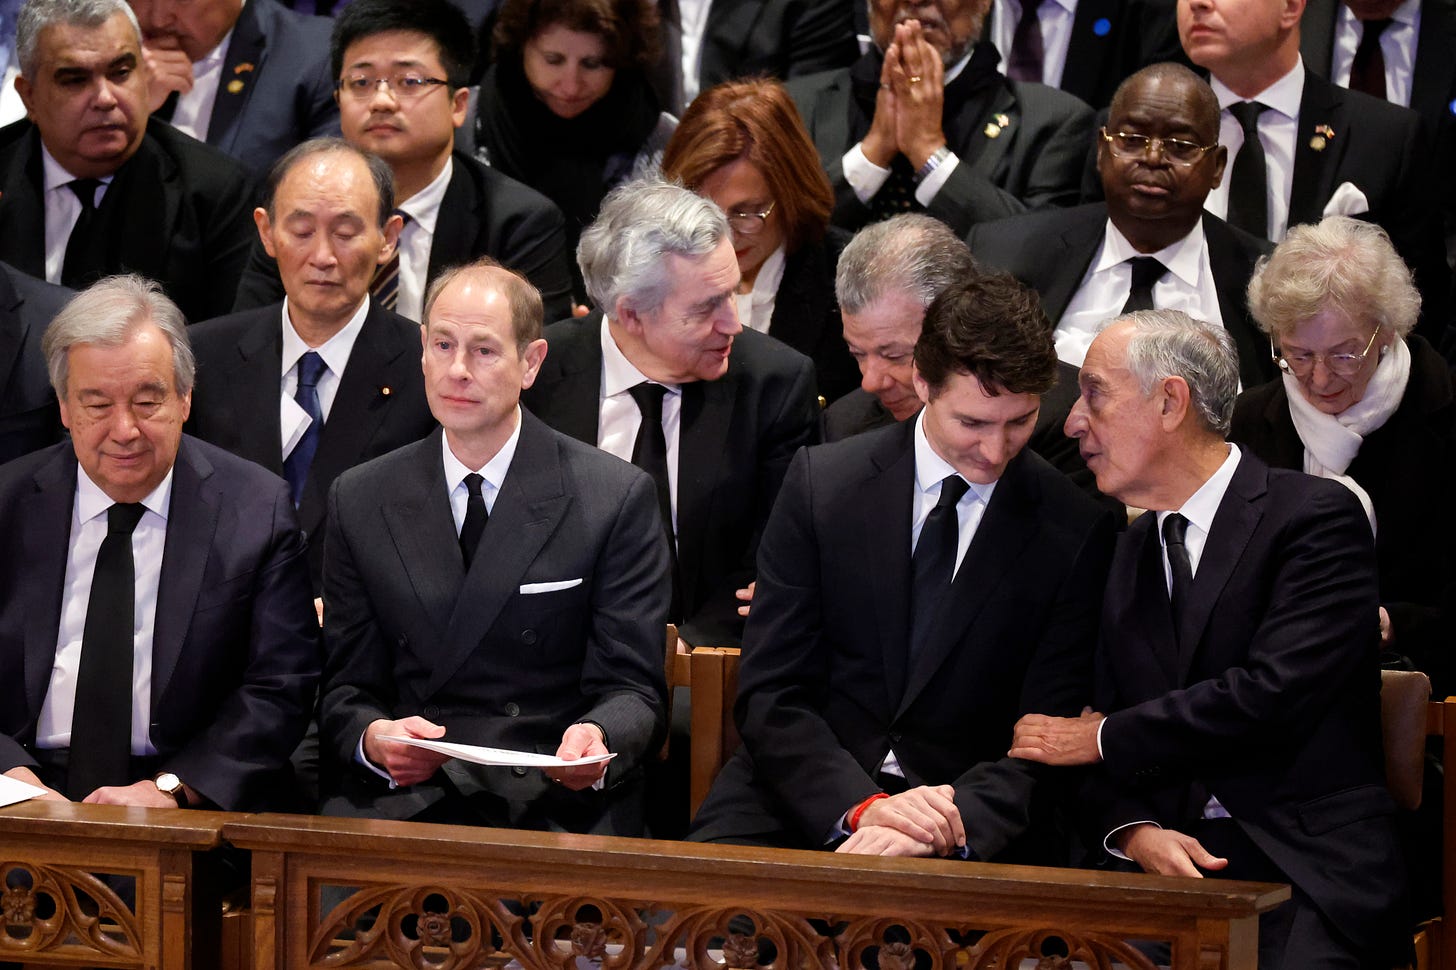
[{"x": 1364, "y": 401}]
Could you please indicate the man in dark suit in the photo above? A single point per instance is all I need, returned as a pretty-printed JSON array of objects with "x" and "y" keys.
[
  {"x": 29, "y": 417},
  {"x": 1321, "y": 150},
  {"x": 89, "y": 187},
  {"x": 500, "y": 581},
  {"x": 919, "y": 588},
  {"x": 267, "y": 90},
  {"x": 328, "y": 378},
  {"x": 925, "y": 122},
  {"x": 888, "y": 274},
  {"x": 400, "y": 71},
  {"x": 1237, "y": 667},
  {"x": 1151, "y": 243},
  {"x": 157, "y": 644},
  {"x": 1399, "y": 50},
  {"x": 1085, "y": 47},
  {"x": 730, "y": 406}
]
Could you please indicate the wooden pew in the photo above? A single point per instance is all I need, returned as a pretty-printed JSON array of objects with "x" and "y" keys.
[
  {"x": 360, "y": 893},
  {"x": 158, "y": 909}
]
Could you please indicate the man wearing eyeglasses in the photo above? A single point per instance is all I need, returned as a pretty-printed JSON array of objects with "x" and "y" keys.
[
  {"x": 401, "y": 73},
  {"x": 251, "y": 79},
  {"x": 1151, "y": 244}
]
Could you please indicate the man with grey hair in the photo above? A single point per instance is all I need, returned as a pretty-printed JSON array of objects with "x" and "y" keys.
[
  {"x": 1237, "y": 723},
  {"x": 666, "y": 377},
  {"x": 157, "y": 642},
  {"x": 89, "y": 186},
  {"x": 887, "y": 276}
]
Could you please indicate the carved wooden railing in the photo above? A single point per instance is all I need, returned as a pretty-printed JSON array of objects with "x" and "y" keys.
[
  {"x": 105, "y": 886},
  {"x": 352, "y": 893}
]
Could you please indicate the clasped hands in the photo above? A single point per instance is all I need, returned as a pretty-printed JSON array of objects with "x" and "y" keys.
[
  {"x": 923, "y": 821},
  {"x": 409, "y": 765},
  {"x": 910, "y": 102}
]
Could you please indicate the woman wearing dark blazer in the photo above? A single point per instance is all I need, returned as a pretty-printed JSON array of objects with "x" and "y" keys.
[
  {"x": 743, "y": 145},
  {"x": 1364, "y": 401}
]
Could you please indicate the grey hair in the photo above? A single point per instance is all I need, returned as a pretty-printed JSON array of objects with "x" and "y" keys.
[
  {"x": 106, "y": 314},
  {"x": 623, "y": 253},
  {"x": 1170, "y": 343},
  {"x": 36, "y": 15},
  {"x": 1340, "y": 264},
  {"x": 911, "y": 253}
]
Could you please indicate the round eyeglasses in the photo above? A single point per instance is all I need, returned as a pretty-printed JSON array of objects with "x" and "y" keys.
[
  {"x": 1301, "y": 364},
  {"x": 1126, "y": 144},
  {"x": 749, "y": 223}
]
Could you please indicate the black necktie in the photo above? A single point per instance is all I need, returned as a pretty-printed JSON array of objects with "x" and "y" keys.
[
  {"x": 934, "y": 561},
  {"x": 101, "y": 720},
  {"x": 1175, "y": 527},
  {"x": 1027, "y": 47},
  {"x": 1367, "y": 70},
  {"x": 1145, "y": 272},
  {"x": 649, "y": 453},
  {"x": 76, "y": 267},
  {"x": 385, "y": 286},
  {"x": 1248, "y": 206},
  {"x": 475, "y": 519},
  {"x": 295, "y": 467}
]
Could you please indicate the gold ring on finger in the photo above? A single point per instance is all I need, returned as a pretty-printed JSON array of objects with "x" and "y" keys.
[{"x": 915, "y": 79}]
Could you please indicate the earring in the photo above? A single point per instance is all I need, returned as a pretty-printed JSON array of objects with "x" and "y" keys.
[{"x": 1384, "y": 350}]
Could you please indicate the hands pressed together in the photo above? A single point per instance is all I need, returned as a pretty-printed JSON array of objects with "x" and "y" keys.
[{"x": 911, "y": 101}]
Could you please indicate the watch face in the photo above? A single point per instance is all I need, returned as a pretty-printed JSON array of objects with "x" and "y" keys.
[{"x": 168, "y": 783}]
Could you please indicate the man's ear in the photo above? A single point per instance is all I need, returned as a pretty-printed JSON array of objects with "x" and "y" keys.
[{"x": 1175, "y": 400}]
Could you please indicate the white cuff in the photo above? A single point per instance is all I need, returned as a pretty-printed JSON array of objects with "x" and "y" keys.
[
  {"x": 864, "y": 176},
  {"x": 363, "y": 759},
  {"x": 927, "y": 190}
]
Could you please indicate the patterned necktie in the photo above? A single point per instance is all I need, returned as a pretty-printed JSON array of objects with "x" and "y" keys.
[
  {"x": 101, "y": 721},
  {"x": 385, "y": 287},
  {"x": 1027, "y": 46},
  {"x": 1248, "y": 206},
  {"x": 1146, "y": 270},
  {"x": 295, "y": 467},
  {"x": 475, "y": 518}
]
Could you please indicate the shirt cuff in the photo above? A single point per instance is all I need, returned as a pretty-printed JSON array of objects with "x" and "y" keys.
[
  {"x": 1100, "y": 725},
  {"x": 927, "y": 190},
  {"x": 1118, "y": 853},
  {"x": 363, "y": 759},
  {"x": 864, "y": 176}
]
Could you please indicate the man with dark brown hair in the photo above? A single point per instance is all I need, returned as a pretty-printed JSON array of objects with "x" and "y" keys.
[{"x": 888, "y": 654}]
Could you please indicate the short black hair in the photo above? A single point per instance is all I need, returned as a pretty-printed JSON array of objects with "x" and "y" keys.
[
  {"x": 439, "y": 20},
  {"x": 992, "y": 328},
  {"x": 379, "y": 171}
]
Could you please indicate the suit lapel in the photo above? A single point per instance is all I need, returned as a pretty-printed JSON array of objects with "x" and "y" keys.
[
  {"x": 252, "y": 382},
  {"x": 13, "y": 330},
  {"x": 1076, "y": 248},
  {"x": 1433, "y": 81},
  {"x": 528, "y": 510},
  {"x": 45, "y": 537},
  {"x": 240, "y": 71},
  {"x": 1230, "y": 278},
  {"x": 362, "y": 406},
  {"x": 1233, "y": 526},
  {"x": 192, "y": 520},
  {"x": 141, "y": 204},
  {"x": 986, "y": 153},
  {"x": 884, "y": 531},
  {"x": 1321, "y": 106},
  {"x": 1089, "y": 49},
  {"x": 570, "y": 401},
  {"x": 22, "y": 208},
  {"x": 422, "y": 530},
  {"x": 459, "y": 211}
]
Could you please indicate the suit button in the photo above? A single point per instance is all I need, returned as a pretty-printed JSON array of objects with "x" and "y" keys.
[
  {"x": 513, "y": 709},
  {"x": 894, "y": 737},
  {"x": 519, "y": 771},
  {"x": 528, "y": 636},
  {"x": 403, "y": 642},
  {"x": 431, "y": 712}
]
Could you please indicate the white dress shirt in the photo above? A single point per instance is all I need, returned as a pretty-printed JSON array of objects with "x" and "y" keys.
[
  {"x": 1055, "y": 17},
  {"x": 756, "y": 307},
  {"x": 416, "y": 240},
  {"x": 693, "y": 15},
  {"x": 619, "y": 418},
  {"x": 62, "y": 209},
  {"x": 88, "y": 529},
  {"x": 866, "y": 178},
  {"x": 293, "y": 420},
  {"x": 1278, "y": 128},
  {"x": 193, "y": 114},
  {"x": 1188, "y": 286},
  {"x": 1397, "y": 48}
]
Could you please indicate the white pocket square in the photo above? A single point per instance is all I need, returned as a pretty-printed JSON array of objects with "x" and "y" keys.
[
  {"x": 1347, "y": 201},
  {"x": 529, "y": 588}
]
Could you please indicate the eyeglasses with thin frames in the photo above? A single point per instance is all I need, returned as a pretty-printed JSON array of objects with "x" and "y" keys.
[
  {"x": 1127, "y": 144},
  {"x": 1341, "y": 365},
  {"x": 404, "y": 87},
  {"x": 749, "y": 223}
]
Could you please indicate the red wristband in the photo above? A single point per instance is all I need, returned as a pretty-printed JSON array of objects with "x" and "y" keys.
[{"x": 860, "y": 809}]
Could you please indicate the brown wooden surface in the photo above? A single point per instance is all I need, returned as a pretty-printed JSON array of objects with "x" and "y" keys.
[
  {"x": 1439, "y": 948},
  {"x": 397, "y": 866},
  {"x": 714, "y": 681}
]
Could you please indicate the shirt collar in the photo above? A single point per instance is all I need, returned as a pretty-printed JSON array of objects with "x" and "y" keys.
[
  {"x": 1184, "y": 258},
  {"x": 770, "y": 275},
  {"x": 954, "y": 71},
  {"x": 91, "y": 501},
  {"x": 1282, "y": 96},
  {"x": 1407, "y": 14},
  {"x": 55, "y": 176},
  {"x": 618, "y": 373},
  {"x": 931, "y": 469},
  {"x": 423, "y": 207},
  {"x": 335, "y": 351},
  {"x": 212, "y": 60},
  {"x": 1203, "y": 504},
  {"x": 494, "y": 471}
]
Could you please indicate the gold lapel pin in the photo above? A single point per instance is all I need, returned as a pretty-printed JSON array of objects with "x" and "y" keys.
[
  {"x": 992, "y": 130},
  {"x": 1323, "y": 135},
  {"x": 234, "y": 86},
  {"x": 385, "y": 391},
  {"x": 1003, "y": 120}
]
